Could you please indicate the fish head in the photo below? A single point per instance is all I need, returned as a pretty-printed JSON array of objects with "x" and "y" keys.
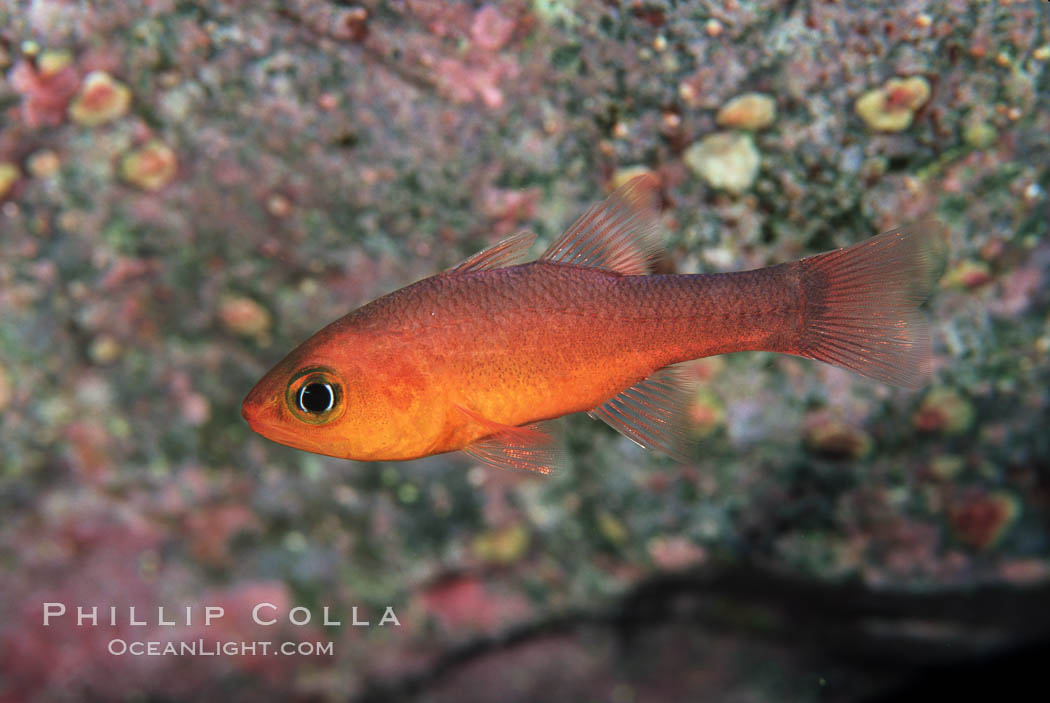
[
  {"x": 299, "y": 405},
  {"x": 335, "y": 395}
]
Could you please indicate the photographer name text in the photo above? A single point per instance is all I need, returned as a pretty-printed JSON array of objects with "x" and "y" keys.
[{"x": 263, "y": 614}]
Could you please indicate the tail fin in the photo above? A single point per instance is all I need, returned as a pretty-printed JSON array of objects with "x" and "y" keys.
[{"x": 862, "y": 303}]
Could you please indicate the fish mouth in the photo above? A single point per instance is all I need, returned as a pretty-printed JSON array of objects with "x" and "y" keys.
[
  {"x": 251, "y": 418},
  {"x": 250, "y": 407},
  {"x": 256, "y": 408},
  {"x": 247, "y": 414},
  {"x": 262, "y": 412}
]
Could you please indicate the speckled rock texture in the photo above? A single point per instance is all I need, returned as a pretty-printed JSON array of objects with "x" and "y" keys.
[{"x": 190, "y": 189}]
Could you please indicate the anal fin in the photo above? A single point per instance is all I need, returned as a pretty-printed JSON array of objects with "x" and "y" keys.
[
  {"x": 652, "y": 412},
  {"x": 516, "y": 448}
]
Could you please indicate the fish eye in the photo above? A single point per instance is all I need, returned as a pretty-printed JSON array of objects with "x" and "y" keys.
[{"x": 315, "y": 396}]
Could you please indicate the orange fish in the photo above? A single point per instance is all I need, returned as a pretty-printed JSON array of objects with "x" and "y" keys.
[{"x": 475, "y": 357}]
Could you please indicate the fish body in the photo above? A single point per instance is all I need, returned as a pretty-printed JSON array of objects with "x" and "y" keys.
[{"x": 473, "y": 357}]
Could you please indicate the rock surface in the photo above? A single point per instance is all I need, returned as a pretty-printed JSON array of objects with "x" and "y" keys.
[{"x": 279, "y": 163}]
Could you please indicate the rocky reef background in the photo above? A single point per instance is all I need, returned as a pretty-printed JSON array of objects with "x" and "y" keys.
[{"x": 189, "y": 189}]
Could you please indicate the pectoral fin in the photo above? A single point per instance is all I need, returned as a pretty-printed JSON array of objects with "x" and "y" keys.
[{"x": 517, "y": 448}]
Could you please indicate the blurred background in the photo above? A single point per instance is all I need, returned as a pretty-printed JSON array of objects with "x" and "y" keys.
[{"x": 190, "y": 189}]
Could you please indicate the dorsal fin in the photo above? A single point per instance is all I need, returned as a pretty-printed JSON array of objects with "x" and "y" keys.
[
  {"x": 621, "y": 233},
  {"x": 517, "y": 448},
  {"x": 505, "y": 253},
  {"x": 652, "y": 412}
]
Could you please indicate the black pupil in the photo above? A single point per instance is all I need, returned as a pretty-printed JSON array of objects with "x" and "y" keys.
[{"x": 316, "y": 398}]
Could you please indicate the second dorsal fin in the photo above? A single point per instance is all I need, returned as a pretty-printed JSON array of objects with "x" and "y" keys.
[{"x": 621, "y": 233}]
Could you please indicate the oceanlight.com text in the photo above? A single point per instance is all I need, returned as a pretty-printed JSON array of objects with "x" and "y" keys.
[{"x": 212, "y": 648}]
